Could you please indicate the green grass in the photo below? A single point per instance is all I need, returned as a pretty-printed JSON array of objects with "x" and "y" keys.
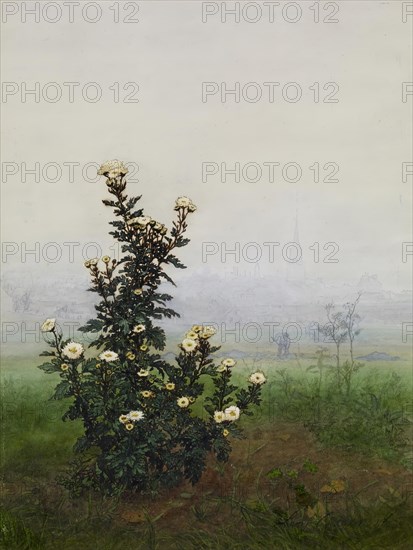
[
  {"x": 250, "y": 525},
  {"x": 36, "y": 448},
  {"x": 374, "y": 418},
  {"x": 32, "y": 430}
]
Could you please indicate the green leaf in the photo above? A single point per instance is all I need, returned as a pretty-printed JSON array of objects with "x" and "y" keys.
[
  {"x": 49, "y": 368},
  {"x": 62, "y": 390}
]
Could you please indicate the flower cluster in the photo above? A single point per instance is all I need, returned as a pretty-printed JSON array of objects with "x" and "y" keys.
[
  {"x": 226, "y": 364},
  {"x": 129, "y": 419},
  {"x": 230, "y": 414},
  {"x": 192, "y": 338},
  {"x": 92, "y": 263},
  {"x": 127, "y": 373},
  {"x": 185, "y": 202},
  {"x": 113, "y": 169}
]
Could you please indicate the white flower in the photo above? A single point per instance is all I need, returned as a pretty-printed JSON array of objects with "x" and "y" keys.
[
  {"x": 188, "y": 344},
  {"x": 207, "y": 332},
  {"x": 221, "y": 368},
  {"x": 232, "y": 413},
  {"x": 48, "y": 325},
  {"x": 192, "y": 335},
  {"x": 73, "y": 350},
  {"x": 183, "y": 402},
  {"x": 142, "y": 221},
  {"x": 135, "y": 415},
  {"x": 160, "y": 227},
  {"x": 228, "y": 362},
  {"x": 257, "y": 378},
  {"x": 112, "y": 169},
  {"x": 219, "y": 416},
  {"x": 143, "y": 372},
  {"x": 185, "y": 202},
  {"x": 93, "y": 261},
  {"x": 138, "y": 328},
  {"x": 108, "y": 356},
  {"x": 124, "y": 418}
]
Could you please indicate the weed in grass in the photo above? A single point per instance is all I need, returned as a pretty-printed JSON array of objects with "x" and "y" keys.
[{"x": 369, "y": 419}]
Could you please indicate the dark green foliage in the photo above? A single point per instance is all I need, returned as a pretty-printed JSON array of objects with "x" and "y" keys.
[{"x": 165, "y": 442}]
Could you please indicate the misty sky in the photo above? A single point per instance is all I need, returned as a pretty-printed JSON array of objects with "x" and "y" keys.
[{"x": 170, "y": 132}]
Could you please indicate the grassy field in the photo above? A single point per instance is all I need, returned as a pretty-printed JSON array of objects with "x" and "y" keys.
[{"x": 318, "y": 469}]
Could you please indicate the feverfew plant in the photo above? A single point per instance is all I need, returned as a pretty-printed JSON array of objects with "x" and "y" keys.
[{"x": 147, "y": 423}]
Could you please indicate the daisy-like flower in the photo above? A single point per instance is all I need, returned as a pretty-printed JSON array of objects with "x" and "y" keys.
[
  {"x": 112, "y": 169},
  {"x": 142, "y": 221},
  {"x": 48, "y": 325},
  {"x": 192, "y": 335},
  {"x": 196, "y": 328},
  {"x": 160, "y": 227},
  {"x": 124, "y": 418},
  {"x": 219, "y": 416},
  {"x": 64, "y": 366},
  {"x": 143, "y": 347},
  {"x": 129, "y": 426},
  {"x": 146, "y": 393},
  {"x": 207, "y": 332},
  {"x": 170, "y": 386},
  {"x": 108, "y": 356},
  {"x": 188, "y": 345},
  {"x": 138, "y": 291},
  {"x": 138, "y": 328},
  {"x": 131, "y": 356},
  {"x": 232, "y": 413},
  {"x": 73, "y": 350},
  {"x": 87, "y": 263},
  {"x": 228, "y": 362},
  {"x": 225, "y": 433},
  {"x": 143, "y": 372},
  {"x": 184, "y": 202},
  {"x": 135, "y": 416},
  {"x": 221, "y": 368},
  {"x": 93, "y": 261},
  {"x": 183, "y": 402},
  {"x": 257, "y": 378},
  {"x": 105, "y": 259}
]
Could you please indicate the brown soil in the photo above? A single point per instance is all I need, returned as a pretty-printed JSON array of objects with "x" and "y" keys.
[{"x": 285, "y": 446}]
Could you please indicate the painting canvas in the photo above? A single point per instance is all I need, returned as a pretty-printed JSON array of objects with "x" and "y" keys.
[{"x": 206, "y": 275}]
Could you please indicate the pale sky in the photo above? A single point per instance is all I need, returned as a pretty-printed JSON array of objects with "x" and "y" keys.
[{"x": 170, "y": 132}]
